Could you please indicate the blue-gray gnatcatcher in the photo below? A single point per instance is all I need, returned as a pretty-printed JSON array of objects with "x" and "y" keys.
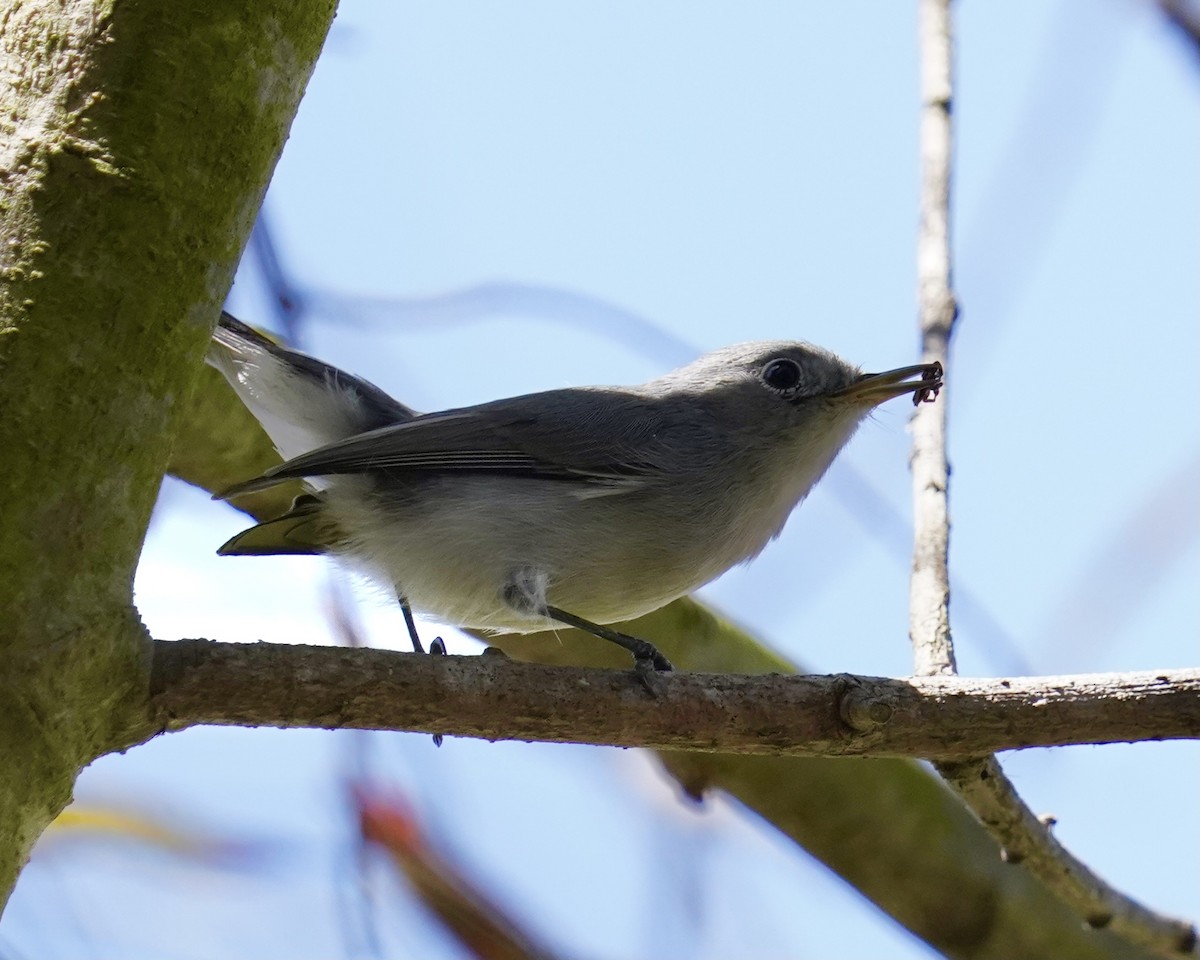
[{"x": 584, "y": 506}]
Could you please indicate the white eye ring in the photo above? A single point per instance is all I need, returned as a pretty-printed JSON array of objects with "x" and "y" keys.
[{"x": 782, "y": 375}]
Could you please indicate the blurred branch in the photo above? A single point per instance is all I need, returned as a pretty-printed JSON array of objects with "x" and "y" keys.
[
  {"x": 1137, "y": 554},
  {"x": 1032, "y": 178},
  {"x": 481, "y": 926},
  {"x": 1184, "y": 16},
  {"x": 175, "y": 832},
  {"x": 287, "y": 300},
  {"x": 980, "y": 782},
  {"x": 218, "y": 439},
  {"x": 495, "y": 698},
  {"x": 356, "y": 905},
  {"x": 476, "y": 303}
]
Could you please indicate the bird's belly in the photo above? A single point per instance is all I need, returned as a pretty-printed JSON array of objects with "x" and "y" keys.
[{"x": 605, "y": 559}]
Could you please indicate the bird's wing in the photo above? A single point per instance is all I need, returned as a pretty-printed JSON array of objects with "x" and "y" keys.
[
  {"x": 595, "y": 436},
  {"x": 303, "y": 530}
]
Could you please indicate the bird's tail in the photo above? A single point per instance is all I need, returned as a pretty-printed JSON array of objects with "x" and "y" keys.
[{"x": 300, "y": 401}]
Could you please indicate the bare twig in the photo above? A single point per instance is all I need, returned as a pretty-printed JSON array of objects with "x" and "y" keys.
[
  {"x": 493, "y": 697},
  {"x": 980, "y": 782},
  {"x": 929, "y": 595},
  {"x": 1026, "y": 839}
]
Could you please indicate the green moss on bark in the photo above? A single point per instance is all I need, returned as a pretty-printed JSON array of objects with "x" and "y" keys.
[{"x": 138, "y": 140}]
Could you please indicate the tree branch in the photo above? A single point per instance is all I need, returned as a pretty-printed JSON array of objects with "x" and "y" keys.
[
  {"x": 1027, "y": 839},
  {"x": 493, "y": 697},
  {"x": 929, "y": 591},
  {"x": 980, "y": 782}
]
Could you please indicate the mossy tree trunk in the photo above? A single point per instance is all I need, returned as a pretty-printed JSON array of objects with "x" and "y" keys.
[{"x": 136, "y": 140}]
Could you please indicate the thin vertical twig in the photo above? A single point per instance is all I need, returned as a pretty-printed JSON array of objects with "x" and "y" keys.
[
  {"x": 981, "y": 783},
  {"x": 929, "y": 594}
]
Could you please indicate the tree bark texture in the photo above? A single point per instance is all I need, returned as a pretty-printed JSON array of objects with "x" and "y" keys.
[
  {"x": 136, "y": 142},
  {"x": 495, "y": 698}
]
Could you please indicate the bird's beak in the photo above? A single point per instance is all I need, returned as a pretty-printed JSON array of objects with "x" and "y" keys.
[{"x": 922, "y": 380}]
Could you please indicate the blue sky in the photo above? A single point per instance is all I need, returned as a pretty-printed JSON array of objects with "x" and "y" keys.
[{"x": 714, "y": 173}]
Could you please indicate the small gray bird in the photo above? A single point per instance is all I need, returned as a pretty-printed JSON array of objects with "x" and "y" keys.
[{"x": 583, "y": 506}]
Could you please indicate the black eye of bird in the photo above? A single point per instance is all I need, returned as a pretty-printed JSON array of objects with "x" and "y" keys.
[{"x": 782, "y": 374}]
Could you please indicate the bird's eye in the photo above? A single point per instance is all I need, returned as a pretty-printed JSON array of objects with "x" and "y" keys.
[{"x": 782, "y": 374}]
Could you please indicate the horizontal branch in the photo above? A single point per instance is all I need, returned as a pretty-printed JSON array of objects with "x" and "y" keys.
[{"x": 495, "y": 698}]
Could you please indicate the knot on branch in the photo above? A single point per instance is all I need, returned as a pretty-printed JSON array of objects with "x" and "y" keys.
[{"x": 860, "y": 708}]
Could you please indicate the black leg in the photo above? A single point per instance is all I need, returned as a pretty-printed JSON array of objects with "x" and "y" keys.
[
  {"x": 412, "y": 625},
  {"x": 645, "y": 654},
  {"x": 437, "y": 647}
]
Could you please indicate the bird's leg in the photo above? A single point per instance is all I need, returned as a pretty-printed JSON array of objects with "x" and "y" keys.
[
  {"x": 526, "y": 592},
  {"x": 412, "y": 625},
  {"x": 644, "y": 652},
  {"x": 438, "y": 648}
]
